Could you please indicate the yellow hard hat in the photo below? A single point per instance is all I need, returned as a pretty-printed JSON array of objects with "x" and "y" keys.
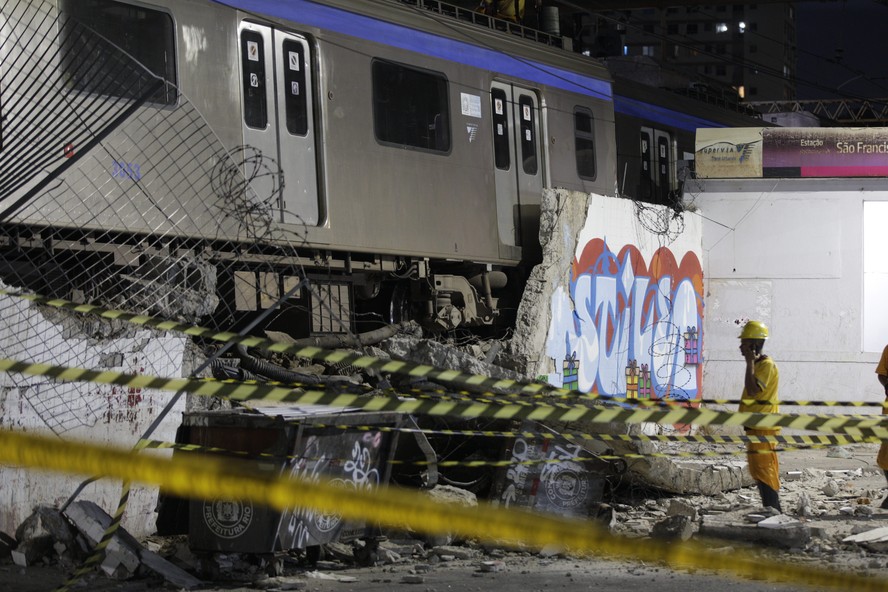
[{"x": 754, "y": 330}]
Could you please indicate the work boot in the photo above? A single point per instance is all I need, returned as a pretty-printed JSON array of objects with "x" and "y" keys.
[
  {"x": 770, "y": 498},
  {"x": 884, "y": 505}
]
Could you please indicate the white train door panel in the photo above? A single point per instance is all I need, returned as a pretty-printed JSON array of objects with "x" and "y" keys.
[
  {"x": 278, "y": 121},
  {"x": 518, "y": 171}
]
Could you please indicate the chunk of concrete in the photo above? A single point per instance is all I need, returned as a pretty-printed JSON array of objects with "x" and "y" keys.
[
  {"x": 38, "y": 535},
  {"x": 875, "y": 540},
  {"x": 777, "y": 531},
  {"x": 673, "y": 528},
  {"x": 124, "y": 555},
  {"x": 121, "y": 552}
]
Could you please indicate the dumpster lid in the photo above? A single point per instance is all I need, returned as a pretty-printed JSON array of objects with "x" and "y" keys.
[{"x": 296, "y": 411}]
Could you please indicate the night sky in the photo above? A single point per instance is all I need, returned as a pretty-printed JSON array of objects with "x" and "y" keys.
[{"x": 842, "y": 49}]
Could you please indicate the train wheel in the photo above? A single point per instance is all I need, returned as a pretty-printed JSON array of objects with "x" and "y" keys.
[{"x": 399, "y": 304}]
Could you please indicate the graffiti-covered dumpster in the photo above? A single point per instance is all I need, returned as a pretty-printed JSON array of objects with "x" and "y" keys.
[
  {"x": 548, "y": 473},
  {"x": 352, "y": 449}
]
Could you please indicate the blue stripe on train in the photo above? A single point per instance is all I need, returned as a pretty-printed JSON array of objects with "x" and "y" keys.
[{"x": 364, "y": 27}]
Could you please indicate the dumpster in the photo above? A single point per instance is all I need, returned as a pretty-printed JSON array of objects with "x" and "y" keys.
[
  {"x": 552, "y": 474},
  {"x": 344, "y": 446}
]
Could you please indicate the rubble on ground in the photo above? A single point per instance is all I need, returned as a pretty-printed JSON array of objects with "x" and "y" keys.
[
  {"x": 854, "y": 540},
  {"x": 830, "y": 516}
]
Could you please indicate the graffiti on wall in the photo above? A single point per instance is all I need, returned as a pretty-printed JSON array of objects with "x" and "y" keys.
[{"x": 627, "y": 327}]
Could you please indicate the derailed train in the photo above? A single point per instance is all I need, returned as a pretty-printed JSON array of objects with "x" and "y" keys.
[{"x": 414, "y": 149}]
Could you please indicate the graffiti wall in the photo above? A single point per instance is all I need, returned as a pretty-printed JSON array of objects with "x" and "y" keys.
[{"x": 626, "y": 319}]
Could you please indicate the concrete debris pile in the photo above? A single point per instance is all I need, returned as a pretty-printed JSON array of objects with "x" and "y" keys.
[{"x": 70, "y": 537}]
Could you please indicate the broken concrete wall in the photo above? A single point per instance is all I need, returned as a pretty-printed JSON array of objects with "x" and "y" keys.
[
  {"x": 616, "y": 307},
  {"x": 100, "y": 414}
]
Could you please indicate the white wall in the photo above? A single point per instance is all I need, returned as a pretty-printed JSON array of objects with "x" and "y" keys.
[
  {"x": 789, "y": 252},
  {"x": 98, "y": 414}
]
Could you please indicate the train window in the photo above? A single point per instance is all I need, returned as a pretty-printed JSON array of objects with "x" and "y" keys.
[
  {"x": 499, "y": 106},
  {"x": 584, "y": 141},
  {"x": 645, "y": 154},
  {"x": 296, "y": 102},
  {"x": 664, "y": 160},
  {"x": 91, "y": 63},
  {"x": 528, "y": 134},
  {"x": 253, "y": 66},
  {"x": 410, "y": 107}
]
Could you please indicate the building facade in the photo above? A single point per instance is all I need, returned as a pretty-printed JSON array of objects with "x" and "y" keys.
[{"x": 750, "y": 48}]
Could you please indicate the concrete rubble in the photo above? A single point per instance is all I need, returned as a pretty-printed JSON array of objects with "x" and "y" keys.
[
  {"x": 854, "y": 541},
  {"x": 69, "y": 537}
]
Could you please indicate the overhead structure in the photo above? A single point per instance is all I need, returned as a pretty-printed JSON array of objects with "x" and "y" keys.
[{"x": 842, "y": 112}]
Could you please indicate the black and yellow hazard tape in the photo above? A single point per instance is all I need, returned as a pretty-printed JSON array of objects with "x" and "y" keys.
[
  {"x": 514, "y": 387},
  {"x": 331, "y": 356},
  {"x": 813, "y": 440},
  {"x": 208, "y": 478},
  {"x": 238, "y": 391},
  {"x": 479, "y": 463},
  {"x": 569, "y": 402}
]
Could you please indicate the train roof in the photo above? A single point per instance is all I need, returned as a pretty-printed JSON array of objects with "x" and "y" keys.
[
  {"x": 675, "y": 110},
  {"x": 430, "y": 33}
]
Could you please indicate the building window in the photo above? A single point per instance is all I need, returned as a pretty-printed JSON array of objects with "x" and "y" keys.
[
  {"x": 692, "y": 29},
  {"x": 584, "y": 138},
  {"x": 707, "y": 27},
  {"x": 91, "y": 63},
  {"x": 410, "y": 107},
  {"x": 721, "y": 70},
  {"x": 721, "y": 48},
  {"x": 647, "y": 50},
  {"x": 753, "y": 48},
  {"x": 875, "y": 275},
  {"x": 672, "y": 29}
]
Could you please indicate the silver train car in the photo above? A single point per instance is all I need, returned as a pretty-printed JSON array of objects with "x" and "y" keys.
[
  {"x": 398, "y": 155},
  {"x": 413, "y": 153}
]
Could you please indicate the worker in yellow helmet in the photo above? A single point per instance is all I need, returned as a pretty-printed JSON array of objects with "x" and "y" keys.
[
  {"x": 760, "y": 396},
  {"x": 882, "y": 459},
  {"x": 512, "y": 10}
]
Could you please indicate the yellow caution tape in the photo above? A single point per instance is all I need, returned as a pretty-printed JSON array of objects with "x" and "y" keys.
[
  {"x": 238, "y": 391},
  {"x": 208, "y": 478}
]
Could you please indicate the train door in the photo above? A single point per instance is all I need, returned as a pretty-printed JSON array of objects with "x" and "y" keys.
[
  {"x": 278, "y": 120},
  {"x": 657, "y": 165},
  {"x": 518, "y": 171}
]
